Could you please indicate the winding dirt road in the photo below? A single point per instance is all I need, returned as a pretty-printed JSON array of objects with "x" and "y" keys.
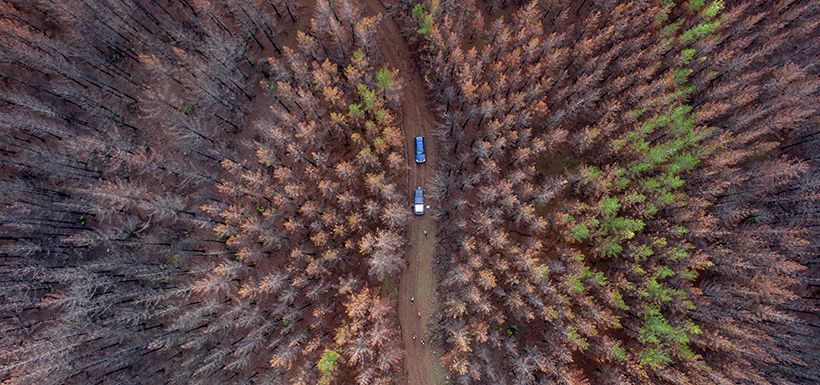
[{"x": 416, "y": 281}]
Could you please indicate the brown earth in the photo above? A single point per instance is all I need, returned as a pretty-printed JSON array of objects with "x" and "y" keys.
[{"x": 420, "y": 361}]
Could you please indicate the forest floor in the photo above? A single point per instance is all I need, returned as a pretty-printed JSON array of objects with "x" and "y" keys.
[{"x": 416, "y": 281}]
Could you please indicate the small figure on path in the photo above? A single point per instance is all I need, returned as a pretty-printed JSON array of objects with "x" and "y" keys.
[
  {"x": 412, "y": 299},
  {"x": 414, "y": 338},
  {"x": 425, "y": 233},
  {"x": 419, "y": 314}
]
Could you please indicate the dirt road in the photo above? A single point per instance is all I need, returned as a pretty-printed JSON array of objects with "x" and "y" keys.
[{"x": 416, "y": 281}]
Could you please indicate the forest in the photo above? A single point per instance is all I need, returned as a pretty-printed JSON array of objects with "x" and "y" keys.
[{"x": 222, "y": 192}]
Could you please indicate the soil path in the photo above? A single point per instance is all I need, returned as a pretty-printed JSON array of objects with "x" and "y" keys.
[{"x": 416, "y": 282}]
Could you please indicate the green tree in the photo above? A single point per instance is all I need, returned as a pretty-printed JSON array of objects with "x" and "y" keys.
[
  {"x": 327, "y": 365},
  {"x": 654, "y": 358},
  {"x": 384, "y": 79}
]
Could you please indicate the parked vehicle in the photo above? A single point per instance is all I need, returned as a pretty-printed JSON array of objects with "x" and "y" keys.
[
  {"x": 420, "y": 156},
  {"x": 418, "y": 201}
]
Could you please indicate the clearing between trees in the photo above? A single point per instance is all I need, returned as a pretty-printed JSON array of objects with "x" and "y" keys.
[{"x": 416, "y": 281}]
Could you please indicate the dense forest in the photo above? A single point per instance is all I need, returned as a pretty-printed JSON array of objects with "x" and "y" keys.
[{"x": 220, "y": 192}]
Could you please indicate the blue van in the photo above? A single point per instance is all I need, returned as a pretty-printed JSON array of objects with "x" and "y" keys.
[
  {"x": 420, "y": 157},
  {"x": 418, "y": 201}
]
